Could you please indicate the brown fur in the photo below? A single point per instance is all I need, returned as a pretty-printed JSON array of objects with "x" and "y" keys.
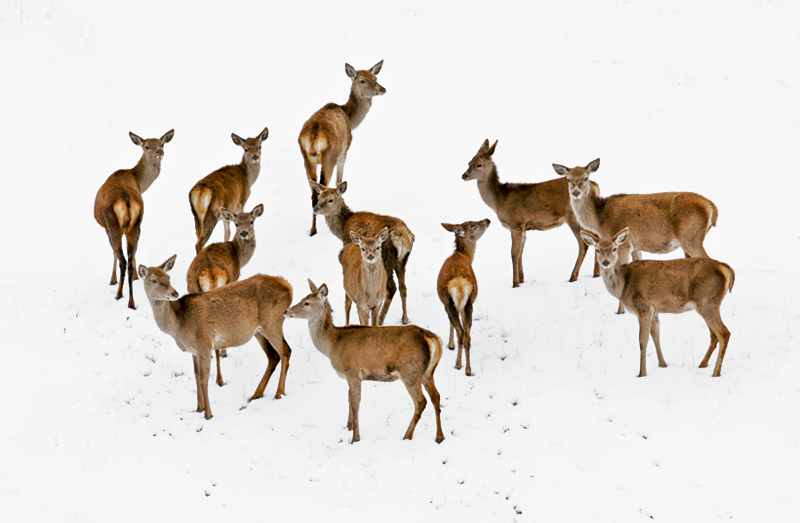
[
  {"x": 523, "y": 207},
  {"x": 408, "y": 353},
  {"x": 395, "y": 252},
  {"x": 119, "y": 207},
  {"x": 325, "y": 138},
  {"x": 364, "y": 276},
  {"x": 225, "y": 317},
  {"x": 649, "y": 287},
  {"x": 225, "y": 188}
]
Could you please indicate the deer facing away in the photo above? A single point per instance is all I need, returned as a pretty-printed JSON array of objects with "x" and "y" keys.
[
  {"x": 325, "y": 138},
  {"x": 523, "y": 207},
  {"x": 395, "y": 252},
  {"x": 221, "y": 263},
  {"x": 364, "y": 276},
  {"x": 228, "y": 188},
  {"x": 649, "y": 287},
  {"x": 119, "y": 208},
  {"x": 408, "y": 353},
  {"x": 228, "y": 316},
  {"x": 457, "y": 286}
]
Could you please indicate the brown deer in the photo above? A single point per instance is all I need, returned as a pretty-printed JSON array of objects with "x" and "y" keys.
[
  {"x": 221, "y": 263},
  {"x": 458, "y": 287},
  {"x": 408, "y": 353},
  {"x": 364, "y": 276},
  {"x": 658, "y": 223},
  {"x": 228, "y": 316},
  {"x": 119, "y": 208},
  {"x": 395, "y": 252},
  {"x": 523, "y": 207},
  {"x": 326, "y": 136},
  {"x": 649, "y": 287},
  {"x": 228, "y": 188}
]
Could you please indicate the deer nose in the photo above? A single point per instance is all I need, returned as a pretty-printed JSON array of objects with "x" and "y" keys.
[
  {"x": 175, "y": 294},
  {"x": 370, "y": 257},
  {"x": 255, "y": 157},
  {"x": 243, "y": 234},
  {"x": 605, "y": 263},
  {"x": 383, "y": 89},
  {"x": 464, "y": 176},
  {"x": 160, "y": 152},
  {"x": 576, "y": 193}
]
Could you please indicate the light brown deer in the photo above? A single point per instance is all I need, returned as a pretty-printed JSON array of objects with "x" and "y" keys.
[
  {"x": 395, "y": 252},
  {"x": 523, "y": 207},
  {"x": 649, "y": 287},
  {"x": 659, "y": 223},
  {"x": 326, "y": 136},
  {"x": 225, "y": 317},
  {"x": 458, "y": 287},
  {"x": 408, "y": 353},
  {"x": 364, "y": 276},
  {"x": 225, "y": 188},
  {"x": 221, "y": 263},
  {"x": 119, "y": 208}
]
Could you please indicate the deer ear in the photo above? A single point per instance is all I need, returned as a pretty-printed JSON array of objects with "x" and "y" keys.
[
  {"x": 341, "y": 188},
  {"x": 143, "y": 271},
  {"x": 484, "y": 146},
  {"x": 264, "y": 134},
  {"x": 237, "y": 139},
  {"x": 258, "y": 210},
  {"x": 355, "y": 238},
  {"x": 491, "y": 149},
  {"x": 589, "y": 238},
  {"x": 592, "y": 167},
  {"x": 350, "y": 70},
  {"x": 168, "y": 136},
  {"x": 448, "y": 227},
  {"x": 377, "y": 67},
  {"x": 311, "y": 285},
  {"x": 318, "y": 188},
  {"x": 169, "y": 264},
  {"x": 323, "y": 291},
  {"x": 225, "y": 214},
  {"x": 383, "y": 235},
  {"x": 135, "y": 139},
  {"x": 621, "y": 236},
  {"x": 560, "y": 169}
]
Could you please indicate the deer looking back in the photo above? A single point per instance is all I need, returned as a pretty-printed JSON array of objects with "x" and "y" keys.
[
  {"x": 325, "y": 138},
  {"x": 225, "y": 188},
  {"x": 119, "y": 208},
  {"x": 523, "y": 207}
]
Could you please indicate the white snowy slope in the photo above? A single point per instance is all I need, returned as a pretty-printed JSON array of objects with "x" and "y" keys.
[{"x": 99, "y": 420}]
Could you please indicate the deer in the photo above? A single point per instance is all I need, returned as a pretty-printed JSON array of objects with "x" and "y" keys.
[
  {"x": 649, "y": 287},
  {"x": 395, "y": 252},
  {"x": 523, "y": 207},
  {"x": 325, "y": 137},
  {"x": 658, "y": 223},
  {"x": 228, "y": 316},
  {"x": 221, "y": 263},
  {"x": 119, "y": 207},
  {"x": 227, "y": 187},
  {"x": 364, "y": 276},
  {"x": 457, "y": 286},
  {"x": 408, "y": 353}
]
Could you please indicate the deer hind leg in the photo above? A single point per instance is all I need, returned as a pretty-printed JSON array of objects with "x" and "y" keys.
[
  {"x": 645, "y": 321},
  {"x": 340, "y": 168},
  {"x": 209, "y": 223},
  {"x": 721, "y": 332},
  {"x": 430, "y": 386},
  {"x": 354, "y": 402},
  {"x": 218, "y": 353},
  {"x": 115, "y": 239},
  {"x": 582, "y": 249},
  {"x": 655, "y": 329},
  {"x": 133, "y": 241},
  {"x": 200, "y": 402},
  {"x": 113, "y": 270},
  {"x": 415, "y": 389},
  {"x": 455, "y": 324},
  {"x": 466, "y": 320},
  {"x": 202, "y": 371},
  {"x": 401, "y": 281},
  {"x": 311, "y": 174},
  {"x": 391, "y": 289},
  {"x": 348, "y": 303}
]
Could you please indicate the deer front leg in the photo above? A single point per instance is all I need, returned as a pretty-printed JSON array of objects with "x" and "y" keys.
[
  {"x": 655, "y": 328},
  {"x": 355, "y": 401},
  {"x": 645, "y": 320},
  {"x": 516, "y": 256}
]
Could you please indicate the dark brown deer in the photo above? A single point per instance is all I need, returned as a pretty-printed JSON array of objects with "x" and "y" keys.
[
  {"x": 228, "y": 316},
  {"x": 457, "y": 286},
  {"x": 523, "y": 207},
  {"x": 119, "y": 208},
  {"x": 649, "y": 287},
  {"x": 395, "y": 252},
  {"x": 364, "y": 276},
  {"x": 408, "y": 353},
  {"x": 326, "y": 136},
  {"x": 225, "y": 188}
]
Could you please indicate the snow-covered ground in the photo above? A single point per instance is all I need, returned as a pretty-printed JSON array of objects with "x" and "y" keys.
[{"x": 99, "y": 420}]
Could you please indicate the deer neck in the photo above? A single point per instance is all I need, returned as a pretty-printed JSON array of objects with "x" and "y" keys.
[
  {"x": 371, "y": 270},
  {"x": 585, "y": 210},
  {"x": 356, "y": 109},
  {"x": 490, "y": 188},
  {"x": 165, "y": 313},
  {"x": 146, "y": 173},
  {"x": 336, "y": 222},
  {"x": 614, "y": 279},
  {"x": 244, "y": 249},
  {"x": 323, "y": 331},
  {"x": 466, "y": 247},
  {"x": 251, "y": 171}
]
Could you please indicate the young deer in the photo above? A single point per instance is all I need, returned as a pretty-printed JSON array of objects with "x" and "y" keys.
[
  {"x": 523, "y": 207},
  {"x": 364, "y": 276},
  {"x": 119, "y": 208},
  {"x": 228, "y": 316},
  {"x": 221, "y": 263},
  {"x": 649, "y": 287},
  {"x": 658, "y": 223},
  {"x": 408, "y": 353},
  {"x": 326, "y": 136},
  {"x": 458, "y": 287},
  {"x": 228, "y": 188},
  {"x": 395, "y": 252}
]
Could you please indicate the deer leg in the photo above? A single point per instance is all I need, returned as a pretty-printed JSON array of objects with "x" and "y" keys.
[
  {"x": 355, "y": 401},
  {"x": 196, "y": 363},
  {"x": 582, "y": 249},
  {"x": 363, "y": 315},
  {"x": 204, "y": 368},
  {"x": 455, "y": 323},
  {"x": 655, "y": 328},
  {"x": 450, "y": 344},
  {"x": 430, "y": 386},
  {"x": 209, "y": 223},
  {"x": 466, "y": 320},
  {"x": 340, "y": 168},
  {"x": 517, "y": 244},
  {"x": 347, "y": 304},
  {"x": 113, "y": 270},
  {"x": 374, "y": 313},
  {"x": 401, "y": 281},
  {"x": 645, "y": 321},
  {"x": 721, "y": 332},
  {"x": 133, "y": 240},
  {"x": 419, "y": 405},
  {"x": 219, "y": 368},
  {"x": 391, "y": 289},
  {"x": 227, "y": 227}
]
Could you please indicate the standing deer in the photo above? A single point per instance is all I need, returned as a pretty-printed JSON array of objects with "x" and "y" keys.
[
  {"x": 228, "y": 188},
  {"x": 364, "y": 276},
  {"x": 395, "y": 252},
  {"x": 228, "y": 316},
  {"x": 523, "y": 207},
  {"x": 326, "y": 136},
  {"x": 119, "y": 208},
  {"x": 649, "y": 287},
  {"x": 408, "y": 353},
  {"x": 458, "y": 287},
  {"x": 658, "y": 223},
  {"x": 221, "y": 263}
]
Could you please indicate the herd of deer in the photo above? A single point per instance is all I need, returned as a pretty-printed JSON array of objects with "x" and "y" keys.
[{"x": 221, "y": 312}]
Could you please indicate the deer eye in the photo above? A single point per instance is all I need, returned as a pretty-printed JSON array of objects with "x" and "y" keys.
[
  {"x": 306, "y": 304},
  {"x": 154, "y": 281},
  {"x": 363, "y": 81},
  {"x": 479, "y": 165}
]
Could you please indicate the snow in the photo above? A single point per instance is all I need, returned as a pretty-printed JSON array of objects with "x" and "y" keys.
[{"x": 99, "y": 404}]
